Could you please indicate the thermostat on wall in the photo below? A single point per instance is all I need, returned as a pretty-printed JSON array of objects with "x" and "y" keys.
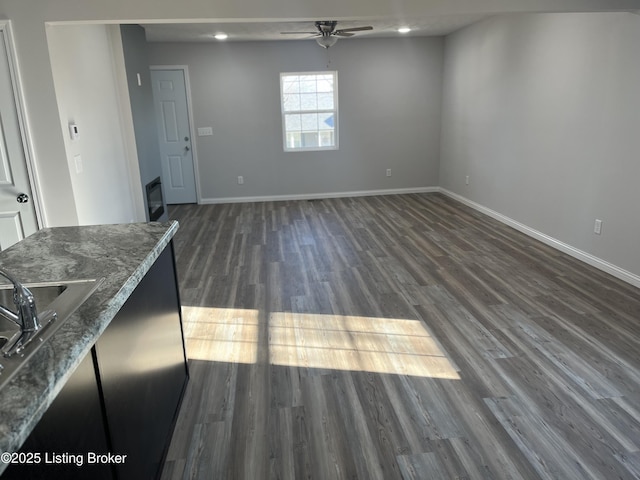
[{"x": 73, "y": 130}]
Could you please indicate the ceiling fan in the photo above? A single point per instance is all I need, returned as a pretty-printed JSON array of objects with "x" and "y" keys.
[{"x": 326, "y": 34}]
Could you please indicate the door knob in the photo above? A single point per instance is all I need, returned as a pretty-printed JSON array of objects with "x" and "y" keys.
[
  {"x": 187, "y": 148},
  {"x": 22, "y": 198},
  {"x": 186, "y": 139}
]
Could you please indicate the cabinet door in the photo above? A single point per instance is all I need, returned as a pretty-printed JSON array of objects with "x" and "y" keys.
[
  {"x": 74, "y": 425},
  {"x": 142, "y": 369}
]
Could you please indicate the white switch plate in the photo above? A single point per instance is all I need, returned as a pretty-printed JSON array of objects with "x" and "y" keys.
[
  {"x": 466, "y": 180},
  {"x": 240, "y": 180},
  {"x": 77, "y": 159},
  {"x": 205, "y": 131},
  {"x": 74, "y": 132},
  {"x": 388, "y": 172},
  {"x": 597, "y": 227}
]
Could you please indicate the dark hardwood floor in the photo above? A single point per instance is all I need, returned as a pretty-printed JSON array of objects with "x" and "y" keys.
[{"x": 398, "y": 337}]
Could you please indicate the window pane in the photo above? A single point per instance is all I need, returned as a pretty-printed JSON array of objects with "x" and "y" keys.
[
  {"x": 291, "y": 102},
  {"x": 309, "y": 121},
  {"x": 292, "y": 122},
  {"x": 310, "y": 139},
  {"x": 290, "y": 85},
  {"x": 308, "y": 101},
  {"x": 325, "y": 101},
  {"x": 326, "y": 138},
  {"x": 325, "y": 121},
  {"x": 308, "y": 86},
  {"x": 325, "y": 83},
  {"x": 294, "y": 140}
]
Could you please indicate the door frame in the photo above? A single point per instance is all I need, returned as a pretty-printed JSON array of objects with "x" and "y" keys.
[
  {"x": 192, "y": 128},
  {"x": 25, "y": 136}
]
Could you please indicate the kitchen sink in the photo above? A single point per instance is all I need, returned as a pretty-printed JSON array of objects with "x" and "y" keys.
[{"x": 63, "y": 298}]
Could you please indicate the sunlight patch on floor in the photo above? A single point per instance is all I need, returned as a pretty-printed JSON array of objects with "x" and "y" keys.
[
  {"x": 221, "y": 334},
  {"x": 382, "y": 345},
  {"x": 334, "y": 342}
]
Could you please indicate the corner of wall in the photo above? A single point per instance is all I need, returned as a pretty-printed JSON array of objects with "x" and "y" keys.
[{"x": 126, "y": 123}]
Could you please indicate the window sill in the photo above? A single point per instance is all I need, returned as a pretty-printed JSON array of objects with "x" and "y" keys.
[{"x": 310, "y": 149}]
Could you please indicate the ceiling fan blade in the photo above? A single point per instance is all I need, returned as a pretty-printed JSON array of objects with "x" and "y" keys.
[
  {"x": 340, "y": 33},
  {"x": 354, "y": 29},
  {"x": 298, "y": 33}
]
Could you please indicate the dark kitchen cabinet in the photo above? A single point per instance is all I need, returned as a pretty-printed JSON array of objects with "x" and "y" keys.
[
  {"x": 142, "y": 367},
  {"x": 125, "y": 395},
  {"x": 74, "y": 425}
]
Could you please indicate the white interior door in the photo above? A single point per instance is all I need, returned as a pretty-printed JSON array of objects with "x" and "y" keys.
[
  {"x": 174, "y": 134},
  {"x": 17, "y": 211}
]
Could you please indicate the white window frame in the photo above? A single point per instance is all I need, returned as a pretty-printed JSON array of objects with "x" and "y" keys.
[{"x": 334, "y": 111}]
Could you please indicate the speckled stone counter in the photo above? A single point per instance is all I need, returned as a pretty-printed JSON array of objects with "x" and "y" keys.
[{"x": 122, "y": 254}]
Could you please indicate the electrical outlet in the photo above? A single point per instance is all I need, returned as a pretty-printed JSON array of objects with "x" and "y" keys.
[
  {"x": 466, "y": 180},
  {"x": 388, "y": 172},
  {"x": 240, "y": 180},
  {"x": 597, "y": 227}
]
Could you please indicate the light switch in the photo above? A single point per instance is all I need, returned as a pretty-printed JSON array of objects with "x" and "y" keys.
[
  {"x": 205, "y": 131},
  {"x": 597, "y": 227},
  {"x": 77, "y": 159}
]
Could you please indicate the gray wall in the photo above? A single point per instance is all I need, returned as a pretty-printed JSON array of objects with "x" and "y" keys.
[
  {"x": 389, "y": 115},
  {"x": 136, "y": 60},
  {"x": 37, "y": 80},
  {"x": 543, "y": 113}
]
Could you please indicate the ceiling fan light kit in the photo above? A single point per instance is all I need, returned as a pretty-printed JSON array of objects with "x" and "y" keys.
[{"x": 326, "y": 42}]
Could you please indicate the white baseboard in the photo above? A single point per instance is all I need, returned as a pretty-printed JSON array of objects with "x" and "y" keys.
[
  {"x": 315, "y": 196},
  {"x": 592, "y": 260}
]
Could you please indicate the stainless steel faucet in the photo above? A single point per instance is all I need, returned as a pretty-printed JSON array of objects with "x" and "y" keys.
[{"x": 26, "y": 316}]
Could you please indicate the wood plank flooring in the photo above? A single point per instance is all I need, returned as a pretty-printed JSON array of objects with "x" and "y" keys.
[{"x": 398, "y": 337}]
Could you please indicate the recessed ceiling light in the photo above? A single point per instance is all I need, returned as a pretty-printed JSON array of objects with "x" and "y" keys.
[
  {"x": 404, "y": 30},
  {"x": 221, "y": 36}
]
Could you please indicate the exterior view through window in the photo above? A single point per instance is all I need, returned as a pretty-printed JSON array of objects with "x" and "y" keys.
[{"x": 309, "y": 110}]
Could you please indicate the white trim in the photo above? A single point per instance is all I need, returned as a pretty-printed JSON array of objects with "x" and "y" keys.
[
  {"x": 23, "y": 122},
  {"x": 192, "y": 127},
  {"x": 316, "y": 196},
  {"x": 592, "y": 260}
]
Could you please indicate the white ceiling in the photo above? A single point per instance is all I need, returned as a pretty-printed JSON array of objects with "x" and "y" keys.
[{"x": 258, "y": 31}]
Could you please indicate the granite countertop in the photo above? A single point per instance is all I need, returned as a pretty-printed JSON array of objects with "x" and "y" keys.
[{"x": 122, "y": 254}]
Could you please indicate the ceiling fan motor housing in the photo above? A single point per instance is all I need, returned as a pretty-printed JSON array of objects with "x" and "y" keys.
[{"x": 326, "y": 27}]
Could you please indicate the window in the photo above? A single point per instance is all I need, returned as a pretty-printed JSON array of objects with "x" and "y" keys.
[{"x": 309, "y": 110}]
